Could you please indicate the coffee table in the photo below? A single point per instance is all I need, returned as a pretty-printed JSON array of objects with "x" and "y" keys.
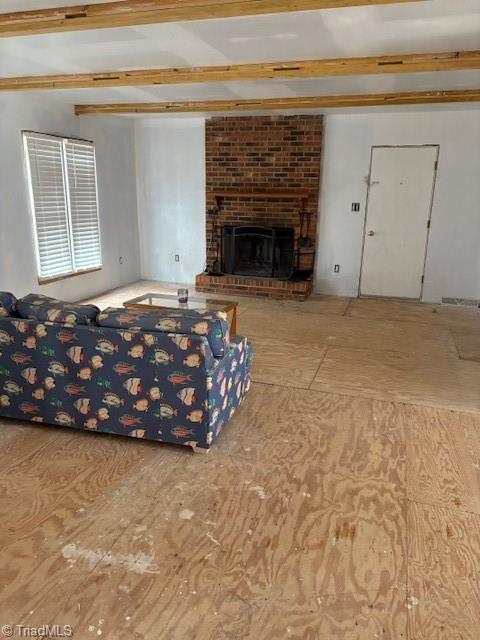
[{"x": 152, "y": 301}]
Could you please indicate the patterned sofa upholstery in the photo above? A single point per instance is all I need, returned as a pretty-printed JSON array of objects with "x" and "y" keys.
[{"x": 161, "y": 383}]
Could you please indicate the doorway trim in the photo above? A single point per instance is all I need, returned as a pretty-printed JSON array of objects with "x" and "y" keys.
[{"x": 434, "y": 184}]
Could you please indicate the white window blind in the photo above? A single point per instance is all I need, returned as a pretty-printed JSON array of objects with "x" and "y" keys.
[
  {"x": 63, "y": 190},
  {"x": 82, "y": 186}
]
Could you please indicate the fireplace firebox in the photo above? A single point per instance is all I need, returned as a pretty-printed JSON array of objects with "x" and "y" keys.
[{"x": 258, "y": 251}]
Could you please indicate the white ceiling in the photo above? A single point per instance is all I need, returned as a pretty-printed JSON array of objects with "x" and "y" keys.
[{"x": 431, "y": 26}]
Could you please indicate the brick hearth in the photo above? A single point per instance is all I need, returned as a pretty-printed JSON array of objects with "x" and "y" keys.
[
  {"x": 252, "y": 286},
  {"x": 262, "y": 155}
]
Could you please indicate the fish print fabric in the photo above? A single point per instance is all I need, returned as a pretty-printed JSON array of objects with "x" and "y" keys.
[
  {"x": 227, "y": 384},
  {"x": 7, "y": 304},
  {"x": 35, "y": 306},
  {"x": 145, "y": 384},
  {"x": 213, "y": 326}
]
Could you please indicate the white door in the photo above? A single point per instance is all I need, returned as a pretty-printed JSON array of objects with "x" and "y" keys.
[{"x": 402, "y": 181}]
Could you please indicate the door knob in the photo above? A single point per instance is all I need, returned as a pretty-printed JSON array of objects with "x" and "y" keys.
[{"x": 371, "y": 233}]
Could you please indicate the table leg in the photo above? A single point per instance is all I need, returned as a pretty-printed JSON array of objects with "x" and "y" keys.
[{"x": 233, "y": 324}]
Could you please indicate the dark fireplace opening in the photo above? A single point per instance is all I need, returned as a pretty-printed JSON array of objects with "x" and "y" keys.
[{"x": 258, "y": 251}]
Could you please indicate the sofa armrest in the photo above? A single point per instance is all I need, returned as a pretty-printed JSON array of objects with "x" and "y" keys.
[{"x": 228, "y": 383}]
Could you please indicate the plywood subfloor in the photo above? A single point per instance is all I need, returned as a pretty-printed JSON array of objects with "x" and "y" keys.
[
  {"x": 400, "y": 311},
  {"x": 341, "y": 502},
  {"x": 467, "y": 341},
  {"x": 431, "y": 380}
]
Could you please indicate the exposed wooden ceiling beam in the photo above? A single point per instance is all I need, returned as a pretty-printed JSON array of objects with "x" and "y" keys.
[
  {"x": 266, "y": 104},
  {"x": 125, "y": 13},
  {"x": 411, "y": 63}
]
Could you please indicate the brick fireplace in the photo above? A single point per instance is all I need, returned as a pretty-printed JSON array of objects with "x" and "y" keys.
[{"x": 263, "y": 180}]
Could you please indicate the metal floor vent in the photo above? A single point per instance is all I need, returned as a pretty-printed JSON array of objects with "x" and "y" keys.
[{"x": 464, "y": 302}]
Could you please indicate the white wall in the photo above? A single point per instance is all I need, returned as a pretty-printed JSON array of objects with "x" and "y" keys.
[
  {"x": 453, "y": 262},
  {"x": 171, "y": 196},
  {"x": 114, "y": 141},
  {"x": 170, "y": 155}
]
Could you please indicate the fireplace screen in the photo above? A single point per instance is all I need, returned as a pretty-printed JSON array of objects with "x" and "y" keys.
[{"x": 258, "y": 251}]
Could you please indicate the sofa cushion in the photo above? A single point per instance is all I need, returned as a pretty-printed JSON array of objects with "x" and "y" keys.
[
  {"x": 35, "y": 306},
  {"x": 212, "y": 325},
  {"x": 7, "y": 304}
]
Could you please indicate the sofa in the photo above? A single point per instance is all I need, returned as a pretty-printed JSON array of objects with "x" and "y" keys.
[{"x": 161, "y": 375}]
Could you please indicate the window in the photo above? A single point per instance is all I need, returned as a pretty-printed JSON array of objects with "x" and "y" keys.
[{"x": 63, "y": 193}]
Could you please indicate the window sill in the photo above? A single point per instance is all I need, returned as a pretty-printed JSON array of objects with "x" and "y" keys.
[{"x": 65, "y": 276}]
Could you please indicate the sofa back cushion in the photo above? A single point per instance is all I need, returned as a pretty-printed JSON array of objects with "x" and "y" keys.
[
  {"x": 7, "y": 304},
  {"x": 212, "y": 325},
  {"x": 133, "y": 383},
  {"x": 35, "y": 306}
]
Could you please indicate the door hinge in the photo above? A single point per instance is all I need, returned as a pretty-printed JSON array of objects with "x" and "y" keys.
[
  {"x": 423, "y": 279},
  {"x": 428, "y": 224},
  {"x": 436, "y": 165}
]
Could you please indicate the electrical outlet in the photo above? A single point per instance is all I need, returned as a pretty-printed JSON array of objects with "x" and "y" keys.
[
  {"x": 355, "y": 207},
  {"x": 336, "y": 268},
  {"x": 120, "y": 259},
  {"x": 177, "y": 258}
]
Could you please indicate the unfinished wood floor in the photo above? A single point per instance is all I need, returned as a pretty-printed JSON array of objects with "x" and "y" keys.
[{"x": 342, "y": 502}]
